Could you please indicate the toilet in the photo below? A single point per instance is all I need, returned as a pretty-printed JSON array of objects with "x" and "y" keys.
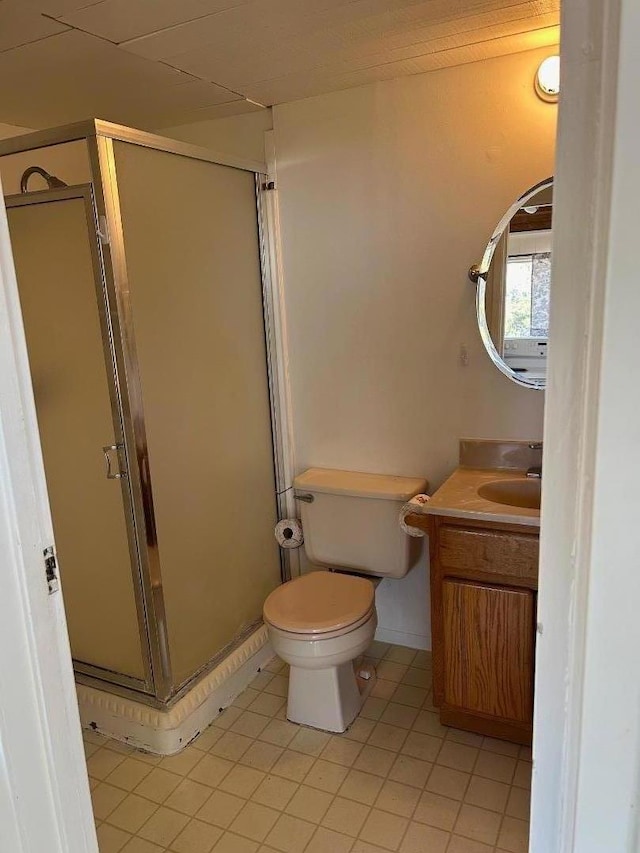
[{"x": 321, "y": 622}]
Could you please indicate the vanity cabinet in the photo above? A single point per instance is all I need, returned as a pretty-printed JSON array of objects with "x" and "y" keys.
[
  {"x": 487, "y": 646},
  {"x": 484, "y": 578}
]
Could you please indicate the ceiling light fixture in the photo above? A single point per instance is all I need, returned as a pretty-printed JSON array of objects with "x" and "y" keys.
[{"x": 547, "y": 79}]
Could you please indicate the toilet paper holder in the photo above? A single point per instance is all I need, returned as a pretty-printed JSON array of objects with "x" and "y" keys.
[{"x": 289, "y": 533}]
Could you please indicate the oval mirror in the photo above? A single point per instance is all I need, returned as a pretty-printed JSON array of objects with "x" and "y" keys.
[{"x": 513, "y": 286}]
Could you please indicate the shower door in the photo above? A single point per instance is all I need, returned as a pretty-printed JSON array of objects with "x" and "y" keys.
[
  {"x": 191, "y": 247},
  {"x": 70, "y": 345}
]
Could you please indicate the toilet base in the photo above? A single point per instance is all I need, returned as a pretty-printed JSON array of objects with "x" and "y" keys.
[{"x": 328, "y": 699}]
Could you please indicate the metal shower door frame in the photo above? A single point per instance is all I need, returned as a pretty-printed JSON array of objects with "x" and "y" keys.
[
  {"x": 159, "y": 689},
  {"x": 103, "y": 163},
  {"x": 273, "y": 311},
  {"x": 102, "y": 160},
  {"x": 85, "y": 192}
]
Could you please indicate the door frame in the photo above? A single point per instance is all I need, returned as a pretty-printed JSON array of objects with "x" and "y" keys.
[
  {"x": 586, "y": 750},
  {"x": 587, "y": 728}
]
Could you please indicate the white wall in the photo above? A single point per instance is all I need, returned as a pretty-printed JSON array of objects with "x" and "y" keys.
[
  {"x": 8, "y": 130},
  {"x": 388, "y": 193},
  {"x": 238, "y": 136},
  {"x": 68, "y": 161}
]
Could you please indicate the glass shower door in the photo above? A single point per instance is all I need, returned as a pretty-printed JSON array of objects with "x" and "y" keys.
[
  {"x": 55, "y": 249},
  {"x": 191, "y": 242}
]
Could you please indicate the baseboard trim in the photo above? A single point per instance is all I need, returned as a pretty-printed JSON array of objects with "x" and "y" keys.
[
  {"x": 403, "y": 638},
  {"x": 166, "y": 732}
]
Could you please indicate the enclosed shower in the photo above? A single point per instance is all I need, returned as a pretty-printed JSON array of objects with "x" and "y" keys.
[{"x": 144, "y": 284}]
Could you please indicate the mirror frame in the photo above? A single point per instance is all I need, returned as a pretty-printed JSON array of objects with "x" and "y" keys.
[{"x": 478, "y": 275}]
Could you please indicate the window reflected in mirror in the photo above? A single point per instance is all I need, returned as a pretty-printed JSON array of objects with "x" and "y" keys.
[{"x": 518, "y": 287}]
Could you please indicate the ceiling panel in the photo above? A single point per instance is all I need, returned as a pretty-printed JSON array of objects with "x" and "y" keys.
[
  {"x": 296, "y": 86},
  {"x": 244, "y": 26},
  {"x": 55, "y": 8},
  {"x": 156, "y": 63},
  {"x": 122, "y": 20},
  {"x": 229, "y": 108},
  {"x": 349, "y": 48},
  {"x": 73, "y": 75},
  {"x": 175, "y": 105},
  {"x": 291, "y": 22},
  {"x": 20, "y": 25}
]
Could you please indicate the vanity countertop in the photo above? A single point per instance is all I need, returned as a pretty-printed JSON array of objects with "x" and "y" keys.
[{"x": 458, "y": 496}]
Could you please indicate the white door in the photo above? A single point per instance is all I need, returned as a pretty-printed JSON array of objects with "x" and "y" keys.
[
  {"x": 586, "y": 781},
  {"x": 44, "y": 791}
]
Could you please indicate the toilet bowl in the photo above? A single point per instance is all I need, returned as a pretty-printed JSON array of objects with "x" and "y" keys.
[{"x": 319, "y": 624}]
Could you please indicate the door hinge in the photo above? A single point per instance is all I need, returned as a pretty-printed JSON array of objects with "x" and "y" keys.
[
  {"x": 269, "y": 185},
  {"x": 51, "y": 569}
]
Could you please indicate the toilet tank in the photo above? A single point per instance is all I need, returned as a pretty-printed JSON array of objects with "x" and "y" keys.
[{"x": 350, "y": 520}]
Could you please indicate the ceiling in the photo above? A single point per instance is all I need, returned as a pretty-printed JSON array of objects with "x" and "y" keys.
[{"x": 156, "y": 63}]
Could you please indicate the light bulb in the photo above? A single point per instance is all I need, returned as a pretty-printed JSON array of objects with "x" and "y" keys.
[{"x": 547, "y": 79}]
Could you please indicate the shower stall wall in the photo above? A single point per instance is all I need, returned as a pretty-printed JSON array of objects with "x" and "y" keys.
[{"x": 145, "y": 290}]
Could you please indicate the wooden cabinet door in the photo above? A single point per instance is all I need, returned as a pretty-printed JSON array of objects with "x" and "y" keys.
[{"x": 488, "y": 649}]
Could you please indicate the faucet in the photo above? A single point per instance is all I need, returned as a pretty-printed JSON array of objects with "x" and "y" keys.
[{"x": 535, "y": 472}]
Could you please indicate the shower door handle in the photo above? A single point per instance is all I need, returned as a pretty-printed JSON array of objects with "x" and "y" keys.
[{"x": 107, "y": 450}]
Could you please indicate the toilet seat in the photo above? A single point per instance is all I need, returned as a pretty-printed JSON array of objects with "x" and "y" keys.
[
  {"x": 319, "y": 636},
  {"x": 320, "y": 604}
]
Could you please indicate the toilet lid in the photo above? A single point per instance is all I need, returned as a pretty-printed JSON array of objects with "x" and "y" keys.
[{"x": 319, "y": 602}]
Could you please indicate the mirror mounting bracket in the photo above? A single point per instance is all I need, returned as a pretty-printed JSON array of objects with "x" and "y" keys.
[{"x": 474, "y": 273}]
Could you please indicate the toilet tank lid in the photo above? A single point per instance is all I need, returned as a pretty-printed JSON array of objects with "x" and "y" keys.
[{"x": 358, "y": 484}]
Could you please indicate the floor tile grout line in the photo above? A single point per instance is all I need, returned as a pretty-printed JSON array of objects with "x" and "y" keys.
[
  {"x": 303, "y": 782},
  {"x": 349, "y": 757}
]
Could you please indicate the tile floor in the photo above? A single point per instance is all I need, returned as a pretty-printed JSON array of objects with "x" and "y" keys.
[{"x": 255, "y": 783}]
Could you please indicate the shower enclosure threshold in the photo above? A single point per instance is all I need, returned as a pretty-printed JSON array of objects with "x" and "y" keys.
[{"x": 167, "y": 731}]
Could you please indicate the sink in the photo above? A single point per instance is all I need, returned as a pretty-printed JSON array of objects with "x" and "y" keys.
[{"x": 521, "y": 493}]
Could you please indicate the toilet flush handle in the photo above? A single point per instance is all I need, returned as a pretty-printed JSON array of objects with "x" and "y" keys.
[{"x": 308, "y": 499}]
